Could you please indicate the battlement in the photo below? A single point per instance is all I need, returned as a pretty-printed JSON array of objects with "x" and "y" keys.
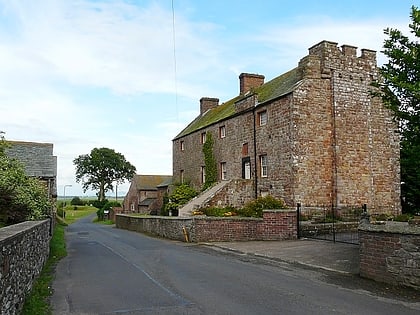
[{"x": 326, "y": 48}]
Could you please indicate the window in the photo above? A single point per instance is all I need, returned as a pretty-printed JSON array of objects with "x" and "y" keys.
[
  {"x": 203, "y": 138},
  {"x": 182, "y": 145},
  {"x": 203, "y": 174},
  {"x": 181, "y": 176},
  {"x": 263, "y": 165},
  {"x": 132, "y": 207},
  {"x": 245, "y": 149},
  {"x": 262, "y": 118},
  {"x": 222, "y": 132},
  {"x": 223, "y": 171}
]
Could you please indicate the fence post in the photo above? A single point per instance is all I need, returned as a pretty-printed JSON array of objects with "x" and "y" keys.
[{"x": 298, "y": 219}]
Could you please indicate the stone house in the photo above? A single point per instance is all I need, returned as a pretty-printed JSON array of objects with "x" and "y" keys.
[
  {"x": 314, "y": 135},
  {"x": 39, "y": 162},
  {"x": 145, "y": 194}
]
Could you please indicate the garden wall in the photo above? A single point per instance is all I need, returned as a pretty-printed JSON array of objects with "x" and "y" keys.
[
  {"x": 390, "y": 253},
  {"x": 24, "y": 251},
  {"x": 275, "y": 225}
]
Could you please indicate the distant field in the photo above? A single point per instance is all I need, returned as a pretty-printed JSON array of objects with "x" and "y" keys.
[{"x": 82, "y": 211}]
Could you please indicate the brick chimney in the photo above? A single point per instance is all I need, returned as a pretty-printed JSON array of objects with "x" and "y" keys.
[
  {"x": 249, "y": 81},
  {"x": 207, "y": 103}
]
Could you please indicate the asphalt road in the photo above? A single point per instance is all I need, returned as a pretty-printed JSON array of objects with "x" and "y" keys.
[{"x": 112, "y": 271}]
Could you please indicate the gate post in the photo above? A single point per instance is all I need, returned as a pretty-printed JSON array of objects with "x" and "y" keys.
[{"x": 298, "y": 219}]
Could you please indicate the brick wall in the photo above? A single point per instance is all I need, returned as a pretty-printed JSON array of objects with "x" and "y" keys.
[
  {"x": 275, "y": 225},
  {"x": 24, "y": 251},
  {"x": 390, "y": 253}
]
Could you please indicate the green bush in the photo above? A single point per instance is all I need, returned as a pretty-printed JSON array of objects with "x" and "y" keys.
[
  {"x": 180, "y": 196},
  {"x": 76, "y": 201},
  {"x": 405, "y": 217},
  {"x": 255, "y": 207},
  {"x": 218, "y": 211}
]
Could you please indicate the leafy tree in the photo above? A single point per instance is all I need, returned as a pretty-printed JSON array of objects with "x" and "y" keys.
[
  {"x": 76, "y": 201},
  {"x": 101, "y": 168},
  {"x": 400, "y": 91},
  {"x": 21, "y": 197}
]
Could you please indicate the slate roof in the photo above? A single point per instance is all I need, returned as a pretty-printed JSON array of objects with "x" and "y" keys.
[
  {"x": 277, "y": 87},
  {"x": 147, "y": 202},
  {"x": 150, "y": 182}
]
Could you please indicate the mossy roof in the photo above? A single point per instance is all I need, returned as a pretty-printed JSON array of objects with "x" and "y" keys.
[
  {"x": 281, "y": 85},
  {"x": 150, "y": 182}
]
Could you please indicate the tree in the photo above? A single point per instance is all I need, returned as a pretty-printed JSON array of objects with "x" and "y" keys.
[
  {"x": 101, "y": 168},
  {"x": 400, "y": 91},
  {"x": 21, "y": 197}
]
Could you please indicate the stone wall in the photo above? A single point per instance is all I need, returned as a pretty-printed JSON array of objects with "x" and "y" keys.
[
  {"x": 24, "y": 251},
  {"x": 327, "y": 140},
  {"x": 390, "y": 253},
  {"x": 275, "y": 225}
]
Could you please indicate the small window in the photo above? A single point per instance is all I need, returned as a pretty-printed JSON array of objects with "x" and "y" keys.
[
  {"x": 263, "y": 165},
  {"x": 203, "y": 138},
  {"x": 181, "y": 176},
  {"x": 203, "y": 174},
  {"x": 262, "y": 118},
  {"x": 182, "y": 145},
  {"x": 222, "y": 132},
  {"x": 223, "y": 171}
]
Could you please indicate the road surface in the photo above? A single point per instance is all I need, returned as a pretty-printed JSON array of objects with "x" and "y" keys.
[{"x": 113, "y": 271}]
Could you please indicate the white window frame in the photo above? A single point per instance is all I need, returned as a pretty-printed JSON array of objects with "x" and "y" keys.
[
  {"x": 223, "y": 171},
  {"x": 181, "y": 175},
  {"x": 203, "y": 174},
  {"x": 182, "y": 146},
  {"x": 264, "y": 165},
  {"x": 203, "y": 137},
  {"x": 222, "y": 132},
  {"x": 262, "y": 118}
]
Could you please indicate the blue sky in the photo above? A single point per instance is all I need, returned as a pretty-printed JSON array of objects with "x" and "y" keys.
[{"x": 83, "y": 74}]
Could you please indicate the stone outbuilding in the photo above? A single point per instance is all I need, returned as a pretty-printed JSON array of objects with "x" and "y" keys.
[
  {"x": 314, "y": 135},
  {"x": 39, "y": 162},
  {"x": 146, "y": 193}
]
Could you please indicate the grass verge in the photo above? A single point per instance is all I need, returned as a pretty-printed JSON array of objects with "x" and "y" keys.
[{"x": 37, "y": 302}]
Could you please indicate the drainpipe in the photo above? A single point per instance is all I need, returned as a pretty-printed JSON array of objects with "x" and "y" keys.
[
  {"x": 334, "y": 145},
  {"x": 255, "y": 155}
]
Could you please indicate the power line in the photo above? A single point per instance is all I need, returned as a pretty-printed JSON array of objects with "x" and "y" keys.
[{"x": 175, "y": 67}]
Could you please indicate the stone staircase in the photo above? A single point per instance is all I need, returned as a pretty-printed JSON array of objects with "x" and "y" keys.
[{"x": 197, "y": 202}]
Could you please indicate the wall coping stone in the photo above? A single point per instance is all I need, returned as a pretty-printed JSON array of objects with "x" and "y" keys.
[
  {"x": 391, "y": 227},
  {"x": 17, "y": 229}
]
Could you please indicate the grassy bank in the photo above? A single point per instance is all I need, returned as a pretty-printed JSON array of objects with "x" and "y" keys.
[{"x": 37, "y": 302}]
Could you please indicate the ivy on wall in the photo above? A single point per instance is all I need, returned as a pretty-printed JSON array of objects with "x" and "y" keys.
[{"x": 209, "y": 162}]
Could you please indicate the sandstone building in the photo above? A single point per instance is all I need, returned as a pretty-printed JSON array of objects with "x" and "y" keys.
[
  {"x": 314, "y": 135},
  {"x": 145, "y": 194}
]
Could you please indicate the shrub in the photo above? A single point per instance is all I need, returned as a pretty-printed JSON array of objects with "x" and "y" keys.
[
  {"x": 180, "y": 196},
  {"x": 255, "y": 207},
  {"x": 219, "y": 211},
  {"x": 76, "y": 201}
]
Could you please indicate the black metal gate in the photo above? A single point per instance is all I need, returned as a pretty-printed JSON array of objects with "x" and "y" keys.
[{"x": 330, "y": 224}]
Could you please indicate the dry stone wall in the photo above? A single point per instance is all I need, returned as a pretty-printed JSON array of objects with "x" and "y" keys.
[{"x": 24, "y": 251}]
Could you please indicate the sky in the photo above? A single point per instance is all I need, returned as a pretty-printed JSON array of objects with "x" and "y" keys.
[{"x": 128, "y": 75}]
